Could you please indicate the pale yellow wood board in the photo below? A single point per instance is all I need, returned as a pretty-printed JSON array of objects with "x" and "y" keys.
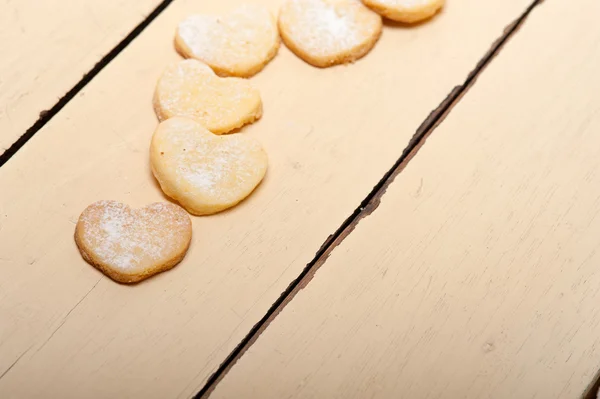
[
  {"x": 47, "y": 46},
  {"x": 479, "y": 274},
  {"x": 330, "y": 135}
]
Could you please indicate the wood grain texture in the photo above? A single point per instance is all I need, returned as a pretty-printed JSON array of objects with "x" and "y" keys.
[
  {"x": 477, "y": 276},
  {"x": 330, "y": 135},
  {"x": 47, "y": 46}
]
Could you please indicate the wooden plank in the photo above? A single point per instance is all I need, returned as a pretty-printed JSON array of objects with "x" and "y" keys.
[
  {"x": 477, "y": 276},
  {"x": 47, "y": 46},
  {"x": 330, "y": 135}
]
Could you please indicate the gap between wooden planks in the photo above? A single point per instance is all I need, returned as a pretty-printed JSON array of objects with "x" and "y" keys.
[
  {"x": 330, "y": 134},
  {"x": 46, "y": 47},
  {"x": 477, "y": 276},
  {"x": 367, "y": 206}
]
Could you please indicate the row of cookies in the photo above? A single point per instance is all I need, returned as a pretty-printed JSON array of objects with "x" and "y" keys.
[
  {"x": 208, "y": 88},
  {"x": 200, "y": 101},
  {"x": 321, "y": 32},
  {"x": 204, "y": 171}
]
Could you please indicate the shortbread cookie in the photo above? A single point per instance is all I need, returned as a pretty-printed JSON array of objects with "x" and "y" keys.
[
  {"x": 237, "y": 44},
  {"x": 329, "y": 32},
  {"x": 130, "y": 245},
  {"x": 205, "y": 173},
  {"x": 407, "y": 11},
  {"x": 191, "y": 89}
]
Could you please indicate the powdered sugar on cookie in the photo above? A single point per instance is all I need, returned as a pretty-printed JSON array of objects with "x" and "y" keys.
[
  {"x": 204, "y": 172},
  {"x": 240, "y": 43},
  {"x": 325, "y": 27},
  {"x": 191, "y": 89},
  {"x": 327, "y": 32},
  {"x": 126, "y": 243},
  {"x": 408, "y": 11}
]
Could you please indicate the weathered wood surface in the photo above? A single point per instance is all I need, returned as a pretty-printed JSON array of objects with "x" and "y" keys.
[
  {"x": 478, "y": 275},
  {"x": 330, "y": 135}
]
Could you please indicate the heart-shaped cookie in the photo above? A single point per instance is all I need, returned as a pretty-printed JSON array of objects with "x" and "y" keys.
[
  {"x": 407, "y": 11},
  {"x": 203, "y": 172},
  {"x": 329, "y": 32},
  {"x": 240, "y": 43},
  {"x": 130, "y": 245},
  {"x": 191, "y": 89}
]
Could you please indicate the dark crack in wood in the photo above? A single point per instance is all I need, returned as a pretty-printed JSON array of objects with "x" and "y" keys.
[{"x": 366, "y": 207}]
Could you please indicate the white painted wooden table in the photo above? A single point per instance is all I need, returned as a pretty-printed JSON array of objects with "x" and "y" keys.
[{"x": 468, "y": 272}]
